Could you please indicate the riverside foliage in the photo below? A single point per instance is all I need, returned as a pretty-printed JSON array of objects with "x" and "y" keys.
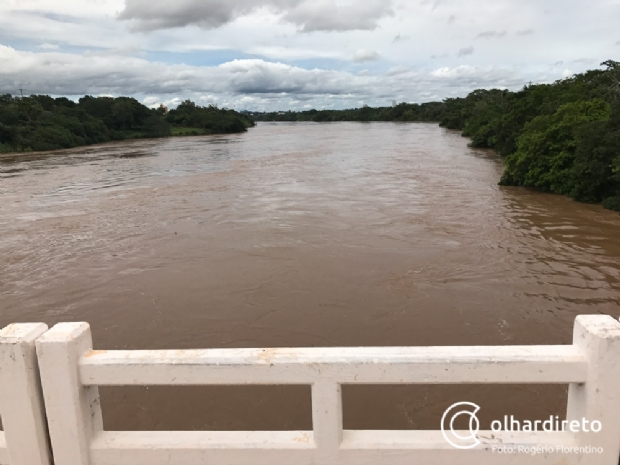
[
  {"x": 40, "y": 122},
  {"x": 562, "y": 138}
]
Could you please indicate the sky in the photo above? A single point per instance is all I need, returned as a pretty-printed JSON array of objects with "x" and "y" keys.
[{"x": 266, "y": 55}]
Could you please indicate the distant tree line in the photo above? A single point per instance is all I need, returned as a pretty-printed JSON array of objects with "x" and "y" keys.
[
  {"x": 403, "y": 112},
  {"x": 40, "y": 122},
  {"x": 562, "y": 138}
]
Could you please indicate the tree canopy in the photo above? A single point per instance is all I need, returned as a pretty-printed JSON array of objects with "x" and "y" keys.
[{"x": 41, "y": 122}]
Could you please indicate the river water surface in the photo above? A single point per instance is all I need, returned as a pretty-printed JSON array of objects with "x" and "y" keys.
[{"x": 339, "y": 234}]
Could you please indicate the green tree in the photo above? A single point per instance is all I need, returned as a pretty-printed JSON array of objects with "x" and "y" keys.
[
  {"x": 546, "y": 150},
  {"x": 123, "y": 115},
  {"x": 156, "y": 126}
]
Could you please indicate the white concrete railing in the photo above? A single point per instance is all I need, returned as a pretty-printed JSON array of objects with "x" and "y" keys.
[
  {"x": 24, "y": 440},
  {"x": 71, "y": 373}
]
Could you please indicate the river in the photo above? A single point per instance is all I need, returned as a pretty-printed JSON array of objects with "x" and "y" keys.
[{"x": 341, "y": 234}]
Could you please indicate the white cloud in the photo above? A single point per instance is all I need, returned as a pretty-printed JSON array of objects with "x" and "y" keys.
[
  {"x": 308, "y": 15},
  {"x": 245, "y": 83},
  {"x": 150, "y": 15},
  {"x": 400, "y": 38},
  {"x": 363, "y": 55},
  {"x": 455, "y": 72},
  {"x": 328, "y": 15},
  {"x": 62, "y": 73},
  {"x": 80, "y": 8},
  {"x": 466, "y": 51},
  {"x": 395, "y": 71},
  {"x": 526, "y": 32},
  {"x": 302, "y": 50},
  {"x": 491, "y": 35},
  {"x": 587, "y": 61}
]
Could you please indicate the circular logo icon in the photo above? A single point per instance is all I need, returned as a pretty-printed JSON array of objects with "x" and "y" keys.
[{"x": 461, "y": 439}]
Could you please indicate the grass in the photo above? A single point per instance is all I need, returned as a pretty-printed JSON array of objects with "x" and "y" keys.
[
  {"x": 174, "y": 132},
  {"x": 177, "y": 131},
  {"x": 133, "y": 134}
]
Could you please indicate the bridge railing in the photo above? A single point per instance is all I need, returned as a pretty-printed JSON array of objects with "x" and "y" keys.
[
  {"x": 25, "y": 439},
  {"x": 71, "y": 372}
]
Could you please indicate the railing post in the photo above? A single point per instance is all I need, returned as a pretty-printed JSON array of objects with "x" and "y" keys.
[
  {"x": 73, "y": 410},
  {"x": 599, "y": 398},
  {"x": 327, "y": 417},
  {"x": 21, "y": 401}
]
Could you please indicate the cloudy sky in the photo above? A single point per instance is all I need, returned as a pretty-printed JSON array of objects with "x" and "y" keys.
[{"x": 298, "y": 54}]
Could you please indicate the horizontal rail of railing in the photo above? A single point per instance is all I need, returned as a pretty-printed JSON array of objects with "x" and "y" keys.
[
  {"x": 407, "y": 365},
  {"x": 71, "y": 371}
]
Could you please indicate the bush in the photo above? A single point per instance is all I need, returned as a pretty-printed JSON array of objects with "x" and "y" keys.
[
  {"x": 5, "y": 148},
  {"x": 545, "y": 153},
  {"x": 156, "y": 126},
  {"x": 598, "y": 145},
  {"x": 612, "y": 203},
  {"x": 52, "y": 138}
]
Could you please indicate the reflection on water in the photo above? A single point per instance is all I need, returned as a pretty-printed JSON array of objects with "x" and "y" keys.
[{"x": 300, "y": 235}]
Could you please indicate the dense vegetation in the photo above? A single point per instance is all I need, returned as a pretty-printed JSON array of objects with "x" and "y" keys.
[
  {"x": 404, "y": 112},
  {"x": 562, "y": 137},
  {"x": 40, "y": 122}
]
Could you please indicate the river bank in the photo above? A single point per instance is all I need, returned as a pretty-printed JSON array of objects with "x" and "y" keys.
[
  {"x": 561, "y": 138},
  {"x": 42, "y": 123},
  {"x": 14, "y": 157}
]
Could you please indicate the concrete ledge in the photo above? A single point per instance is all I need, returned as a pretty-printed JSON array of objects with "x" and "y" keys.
[{"x": 297, "y": 447}]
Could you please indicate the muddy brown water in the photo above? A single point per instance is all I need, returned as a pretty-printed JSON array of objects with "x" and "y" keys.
[{"x": 340, "y": 234}]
